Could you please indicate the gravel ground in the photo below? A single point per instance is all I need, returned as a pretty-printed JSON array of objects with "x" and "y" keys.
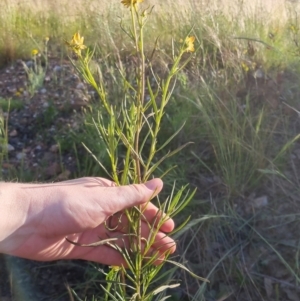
[
  {"x": 24, "y": 280},
  {"x": 34, "y": 120}
]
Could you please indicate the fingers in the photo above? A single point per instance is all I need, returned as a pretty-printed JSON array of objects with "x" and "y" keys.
[
  {"x": 118, "y": 227},
  {"x": 124, "y": 197},
  {"x": 138, "y": 194},
  {"x": 110, "y": 253},
  {"x": 151, "y": 216}
]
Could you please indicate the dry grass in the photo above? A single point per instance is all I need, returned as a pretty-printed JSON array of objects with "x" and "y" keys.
[
  {"x": 58, "y": 19},
  {"x": 267, "y": 10}
]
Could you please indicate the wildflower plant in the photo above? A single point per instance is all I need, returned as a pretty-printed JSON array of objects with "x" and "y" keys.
[
  {"x": 134, "y": 125},
  {"x": 37, "y": 71},
  {"x": 3, "y": 139}
]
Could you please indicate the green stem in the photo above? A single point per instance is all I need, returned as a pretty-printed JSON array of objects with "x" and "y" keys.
[
  {"x": 158, "y": 117},
  {"x": 138, "y": 37}
]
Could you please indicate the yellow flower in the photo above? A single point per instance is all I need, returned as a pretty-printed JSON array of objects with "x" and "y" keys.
[
  {"x": 76, "y": 44},
  {"x": 245, "y": 67},
  {"x": 34, "y": 52},
  {"x": 294, "y": 28},
  {"x": 127, "y": 3},
  {"x": 189, "y": 42}
]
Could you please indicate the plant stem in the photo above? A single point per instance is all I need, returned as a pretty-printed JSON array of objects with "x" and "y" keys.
[{"x": 158, "y": 117}]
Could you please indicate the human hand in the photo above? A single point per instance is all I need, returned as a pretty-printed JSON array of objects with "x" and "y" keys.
[{"x": 38, "y": 217}]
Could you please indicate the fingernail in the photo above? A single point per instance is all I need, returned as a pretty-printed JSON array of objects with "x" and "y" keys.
[{"x": 152, "y": 184}]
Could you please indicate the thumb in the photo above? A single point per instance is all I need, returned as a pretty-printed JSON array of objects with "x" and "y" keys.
[{"x": 135, "y": 194}]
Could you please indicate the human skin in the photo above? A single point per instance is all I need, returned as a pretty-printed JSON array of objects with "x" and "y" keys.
[{"x": 36, "y": 219}]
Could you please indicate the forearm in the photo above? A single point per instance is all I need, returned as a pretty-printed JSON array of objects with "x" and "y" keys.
[
  {"x": 12, "y": 212},
  {"x": 17, "y": 212},
  {"x": 40, "y": 210}
]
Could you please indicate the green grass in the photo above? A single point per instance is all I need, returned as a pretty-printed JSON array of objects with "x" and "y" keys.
[
  {"x": 10, "y": 104},
  {"x": 242, "y": 131},
  {"x": 3, "y": 141}
]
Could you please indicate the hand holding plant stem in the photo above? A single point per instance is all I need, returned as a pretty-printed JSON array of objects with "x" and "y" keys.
[{"x": 126, "y": 127}]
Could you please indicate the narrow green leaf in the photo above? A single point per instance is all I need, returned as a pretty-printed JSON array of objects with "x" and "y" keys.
[
  {"x": 174, "y": 199},
  {"x": 165, "y": 298},
  {"x": 133, "y": 297},
  {"x": 184, "y": 203},
  {"x": 171, "y": 138},
  {"x": 172, "y": 153},
  {"x": 152, "y": 96},
  {"x": 192, "y": 223},
  {"x": 181, "y": 266},
  {"x": 164, "y": 287},
  {"x": 182, "y": 226},
  {"x": 169, "y": 154},
  {"x": 109, "y": 293},
  {"x": 133, "y": 152},
  {"x": 102, "y": 166}
]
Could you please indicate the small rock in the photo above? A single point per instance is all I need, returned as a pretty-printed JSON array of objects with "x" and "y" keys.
[
  {"x": 57, "y": 68},
  {"x": 54, "y": 148},
  {"x": 80, "y": 86},
  {"x": 7, "y": 147},
  {"x": 258, "y": 73},
  {"x": 78, "y": 104},
  {"x": 27, "y": 150},
  {"x": 46, "y": 104},
  {"x": 21, "y": 156},
  {"x": 11, "y": 89},
  {"x": 43, "y": 91},
  {"x": 13, "y": 133},
  {"x": 29, "y": 64},
  {"x": 297, "y": 153},
  {"x": 260, "y": 202}
]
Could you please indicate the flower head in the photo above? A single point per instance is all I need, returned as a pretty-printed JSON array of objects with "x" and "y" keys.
[
  {"x": 127, "y": 3},
  {"x": 189, "y": 43},
  {"x": 76, "y": 44},
  {"x": 115, "y": 268},
  {"x": 34, "y": 52}
]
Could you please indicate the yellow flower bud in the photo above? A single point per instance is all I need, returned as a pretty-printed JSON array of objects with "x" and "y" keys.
[{"x": 34, "y": 52}]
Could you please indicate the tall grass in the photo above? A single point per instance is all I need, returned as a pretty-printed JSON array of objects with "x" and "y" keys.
[
  {"x": 3, "y": 141},
  {"x": 20, "y": 21}
]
